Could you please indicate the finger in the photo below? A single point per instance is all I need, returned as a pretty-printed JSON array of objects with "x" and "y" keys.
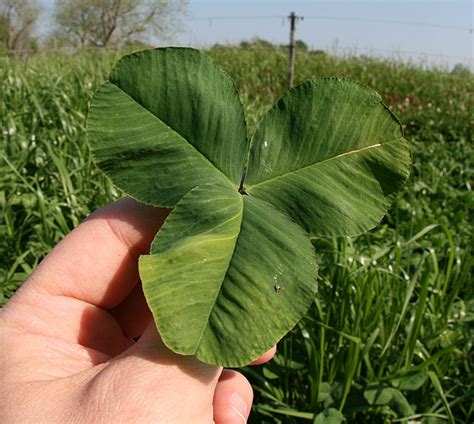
[
  {"x": 267, "y": 356},
  {"x": 97, "y": 262},
  {"x": 232, "y": 399},
  {"x": 133, "y": 314}
]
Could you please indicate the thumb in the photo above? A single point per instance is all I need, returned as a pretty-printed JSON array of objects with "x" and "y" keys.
[{"x": 164, "y": 386}]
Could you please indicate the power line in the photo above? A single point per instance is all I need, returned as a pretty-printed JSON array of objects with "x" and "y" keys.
[
  {"x": 357, "y": 19},
  {"x": 391, "y": 21},
  {"x": 219, "y": 18},
  {"x": 339, "y": 18},
  {"x": 406, "y": 52}
]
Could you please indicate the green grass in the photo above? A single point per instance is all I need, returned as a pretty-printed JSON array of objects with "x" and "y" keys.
[{"x": 390, "y": 335}]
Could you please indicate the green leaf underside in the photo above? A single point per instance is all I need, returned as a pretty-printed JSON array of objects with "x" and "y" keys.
[
  {"x": 217, "y": 296},
  {"x": 228, "y": 275},
  {"x": 185, "y": 90},
  {"x": 141, "y": 155},
  {"x": 346, "y": 195},
  {"x": 331, "y": 156}
]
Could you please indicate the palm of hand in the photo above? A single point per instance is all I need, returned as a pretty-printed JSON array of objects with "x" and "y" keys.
[{"x": 66, "y": 338}]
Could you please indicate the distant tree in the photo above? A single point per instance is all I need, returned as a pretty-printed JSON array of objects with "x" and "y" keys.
[
  {"x": 461, "y": 69},
  {"x": 260, "y": 42},
  {"x": 318, "y": 52},
  {"x": 17, "y": 22},
  {"x": 219, "y": 47},
  {"x": 103, "y": 23},
  {"x": 4, "y": 33},
  {"x": 257, "y": 42},
  {"x": 56, "y": 40},
  {"x": 301, "y": 45},
  {"x": 136, "y": 45}
]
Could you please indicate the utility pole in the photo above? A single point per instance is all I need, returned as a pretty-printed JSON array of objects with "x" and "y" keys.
[{"x": 291, "y": 63}]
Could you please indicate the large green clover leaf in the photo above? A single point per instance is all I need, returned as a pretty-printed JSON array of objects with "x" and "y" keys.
[{"x": 233, "y": 270}]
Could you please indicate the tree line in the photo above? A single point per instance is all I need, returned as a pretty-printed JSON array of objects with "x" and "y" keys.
[{"x": 88, "y": 23}]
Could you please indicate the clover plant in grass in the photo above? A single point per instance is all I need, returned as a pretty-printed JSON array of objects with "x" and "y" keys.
[{"x": 233, "y": 269}]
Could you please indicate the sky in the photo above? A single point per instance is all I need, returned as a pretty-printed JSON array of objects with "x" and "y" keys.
[{"x": 432, "y": 32}]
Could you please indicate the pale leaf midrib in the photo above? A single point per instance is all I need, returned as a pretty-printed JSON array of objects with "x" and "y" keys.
[
  {"x": 177, "y": 133},
  {"x": 211, "y": 309},
  {"x": 349, "y": 153}
]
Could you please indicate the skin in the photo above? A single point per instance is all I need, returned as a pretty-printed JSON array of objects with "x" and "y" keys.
[{"x": 66, "y": 338}]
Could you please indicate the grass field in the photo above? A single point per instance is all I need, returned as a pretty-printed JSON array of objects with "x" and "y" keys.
[{"x": 390, "y": 335}]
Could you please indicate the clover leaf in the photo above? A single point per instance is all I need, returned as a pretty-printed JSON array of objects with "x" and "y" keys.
[{"x": 232, "y": 270}]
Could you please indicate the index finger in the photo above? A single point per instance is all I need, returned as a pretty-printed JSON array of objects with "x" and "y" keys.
[{"x": 98, "y": 261}]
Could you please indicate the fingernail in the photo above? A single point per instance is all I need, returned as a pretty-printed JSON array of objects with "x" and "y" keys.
[{"x": 239, "y": 406}]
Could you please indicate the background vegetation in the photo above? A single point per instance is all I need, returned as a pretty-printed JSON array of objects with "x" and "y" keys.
[
  {"x": 390, "y": 336},
  {"x": 86, "y": 23}
]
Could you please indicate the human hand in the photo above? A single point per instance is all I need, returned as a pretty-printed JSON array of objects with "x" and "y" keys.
[{"x": 66, "y": 338}]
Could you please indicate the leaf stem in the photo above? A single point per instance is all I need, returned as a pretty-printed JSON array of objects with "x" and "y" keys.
[{"x": 241, "y": 186}]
